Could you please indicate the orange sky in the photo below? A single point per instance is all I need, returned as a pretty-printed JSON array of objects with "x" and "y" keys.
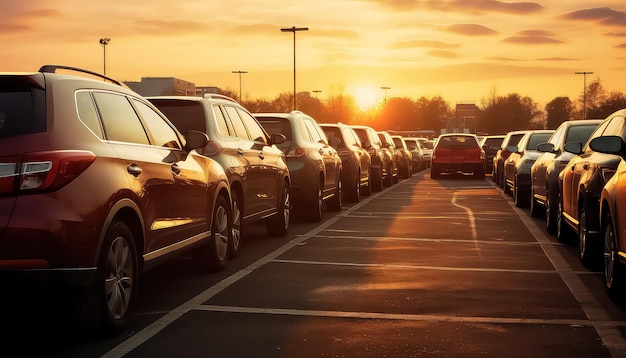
[{"x": 462, "y": 50}]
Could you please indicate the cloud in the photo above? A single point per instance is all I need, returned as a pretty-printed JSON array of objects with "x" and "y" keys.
[
  {"x": 470, "y": 30},
  {"x": 421, "y": 43},
  {"x": 170, "y": 28},
  {"x": 442, "y": 54},
  {"x": 621, "y": 46},
  {"x": 531, "y": 40},
  {"x": 603, "y": 15},
  {"x": 10, "y": 28},
  {"x": 471, "y": 6},
  {"x": 534, "y": 33},
  {"x": 615, "y": 34},
  {"x": 556, "y": 59}
]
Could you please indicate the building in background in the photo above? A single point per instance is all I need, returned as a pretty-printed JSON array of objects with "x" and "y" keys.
[{"x": 163, "y": 86}]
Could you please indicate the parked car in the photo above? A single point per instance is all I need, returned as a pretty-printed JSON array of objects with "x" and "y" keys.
[
  {"x": 355, "y": 160},
  {"x": 417, "y": 155},
  {"x": 98, "y": 187},
  {"x": 613, "y": 217},
  {"x": 256, "y": 169},
  {"x": 389, "y": 151},
  {"x": 511, "y": 138},
  {"x": 517, "y": 166},
  {"x": 580, "y": 186},
  {"x": 490, "y": 145},
  {"x": 544, "y": 174},
  {"x": 370, "y": 141},
  {"x": 457, "y": 153},
  {"x": 427, "y": 149},
  {"x": 405, "y": 163},
  {"x": 314, "y": 165}
]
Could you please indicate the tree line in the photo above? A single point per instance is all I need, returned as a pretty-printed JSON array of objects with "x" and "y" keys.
[{"x": 495, "y": 114}]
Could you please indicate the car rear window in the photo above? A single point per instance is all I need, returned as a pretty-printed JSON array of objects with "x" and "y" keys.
[
  {"x": 185, "y": 115},
  {"x": 537, "y": 139},
  {"x": 490, "y": 142},
  {"x": 22, "y": 111},
  {"x": 277, "y": 125},
  {"x": 457, "y": 142}
]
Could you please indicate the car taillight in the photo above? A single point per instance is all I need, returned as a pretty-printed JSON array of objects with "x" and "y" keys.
[
  {"x": 295, "y": 152},
  {"x": 42, "y": 171}
]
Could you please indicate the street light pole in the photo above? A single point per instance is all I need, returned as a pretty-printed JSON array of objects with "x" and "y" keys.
[
  {"x": 385, "y": 88},
  {"x": 584, "y": 73},
  {"x": 294, "y": 30},
  {"x": 104, "y": 42},
  {"x": 316, "y": 92},
  {"x": 239, "y": 72}
]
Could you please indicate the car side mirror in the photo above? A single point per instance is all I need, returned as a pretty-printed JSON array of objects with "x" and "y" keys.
[
  {"x": 367, "y": 145},
  {"x": 607, "y": 144},
  {"x": 195, "y": 140},
  {"x": 277, "y": 138},
  {"x": 545, "y": 147},
  {"x": 574, "y": 147}
]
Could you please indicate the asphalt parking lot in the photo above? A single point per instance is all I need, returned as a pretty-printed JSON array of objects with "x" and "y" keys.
[{"x": 425, "y": 268}]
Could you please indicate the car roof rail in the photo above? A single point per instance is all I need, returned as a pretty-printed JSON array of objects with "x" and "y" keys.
[
  {"x": 54, "y": 68},
  {"x": 218, "y": 96}
]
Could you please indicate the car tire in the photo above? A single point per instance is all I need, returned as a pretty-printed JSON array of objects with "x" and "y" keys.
[
  {"x": 551, "y": 213},
  {"x": 336, "y": 202},
  {"x": 377, "y": 178},
  {"x": 313, "y": 210},
  {"x": 278, "y": 224},
  {"x": 213, "y": 256},
  {"x": 435, "y": 172},
  {"x": 563, "y": 232},
  {"x": 234, "y": 244},
  {"x": 535, "y": 209},
  {"x": 614, "y": 280},
  {"x": 106, "y": 305},
  {"x": 479, "y": 173},
  {"x": 388, "y": 181},
  {"x": 587, "y": 243},
  {"x": 368, "y": 188},
  {"x": 519, "y": 195}
]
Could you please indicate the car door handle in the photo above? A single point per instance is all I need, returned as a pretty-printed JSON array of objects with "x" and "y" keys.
[
  {"x": 134, "y": 170},
  {"x": 261, "y": 156},
  {"x": 240, "y": 151},
  {"x": 175, "y": 169}
]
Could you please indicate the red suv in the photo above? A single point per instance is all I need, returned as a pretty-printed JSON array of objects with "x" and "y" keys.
[{"x": 97, "y": 187}]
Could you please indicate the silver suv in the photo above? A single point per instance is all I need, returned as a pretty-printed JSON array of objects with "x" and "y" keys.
[{"x": 257, "y": 170}]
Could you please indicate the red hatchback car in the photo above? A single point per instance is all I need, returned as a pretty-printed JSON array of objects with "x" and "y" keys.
[
  {"x": 97, "y": 186},
  {"x": 457, "y": 153}
]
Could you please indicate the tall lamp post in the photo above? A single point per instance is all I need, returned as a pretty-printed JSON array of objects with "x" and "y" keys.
[
  {"x": 239, "y": 72},
  {"x": 294, "y": 30},
  {"x": 316, "y": 92},
  {"x": 104, "y": 42},
  {"x": 584, "y": 73},
  {"x": 385, "y": 88}
]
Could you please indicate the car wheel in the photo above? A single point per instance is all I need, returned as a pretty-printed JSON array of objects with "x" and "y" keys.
[
  {"x": 278, "y": 225},
  {"x": 388, "y": 181},
  {"x": 613, "y": 271},
  {"x": 551, "y": 213},
  {"x": 535, "y": 208},
  {"x": 377, "y": 177},
  {"x": 234, "y": 246},
  {"x": 213, "y": 256},
  {"x": 562, "y": 230},
  {"x": 336, "y": 202},
  {"x": 368, "y": 188},
  {"x": 586, "y": 242},
  {"x": 434, "y": 172},
  {"x": 314, "y": 209},
  {"x": 479, "y": 173},
  {"x": 519, "y": 195},
  {"x": 105, "y": 306},
  {"x": 355, "y": 194}
]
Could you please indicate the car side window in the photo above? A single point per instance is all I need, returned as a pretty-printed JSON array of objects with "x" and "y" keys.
[
  {"x": 315, "y": 134},
  {"x": 88, "y": 114},
  {"x": 557, "y": 137},
  {"x": 235, "y": 120},
  {"x": 161, "y": 132},
  {"x": 254, "y": 128},
  {"x": 222, "y": 123},
  {"x": 119, "y": 119}
]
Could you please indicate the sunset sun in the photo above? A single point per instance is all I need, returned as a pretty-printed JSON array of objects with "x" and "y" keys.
[{"x": 366, "y": 97}]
